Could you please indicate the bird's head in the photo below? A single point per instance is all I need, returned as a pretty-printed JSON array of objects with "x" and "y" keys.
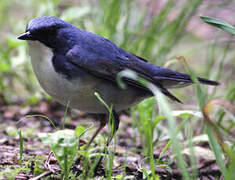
[{"x": 46, "y": 30}]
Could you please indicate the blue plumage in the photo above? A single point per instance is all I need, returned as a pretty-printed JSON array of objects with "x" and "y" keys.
[{"x": 74, "y": 47}]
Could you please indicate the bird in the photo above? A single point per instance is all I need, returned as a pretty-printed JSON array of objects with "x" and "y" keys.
[{"x": 72, "y": 64}]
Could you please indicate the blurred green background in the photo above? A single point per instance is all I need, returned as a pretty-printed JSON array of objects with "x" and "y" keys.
[{"x": 158, "y": 30}]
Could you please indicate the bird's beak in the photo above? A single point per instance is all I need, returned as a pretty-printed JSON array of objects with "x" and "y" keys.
[{"x": 25, "y": 36}]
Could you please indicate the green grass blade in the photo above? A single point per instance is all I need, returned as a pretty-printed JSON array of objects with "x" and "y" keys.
[
  {"x": 42, "y": 116},
  {"x": 166, "y": 110},
  {"x": 170, "y": 141},
  {"x": 217, "y": 150},
  {"x": 219, "y": 24},
  {"x": 65, "y": 114}
]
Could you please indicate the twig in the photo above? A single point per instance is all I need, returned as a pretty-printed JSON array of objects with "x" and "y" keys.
[
  {"x": 47, "y": 163},
  {"x": 47, "y": 166},
  {"x": 46, "y": 173}
]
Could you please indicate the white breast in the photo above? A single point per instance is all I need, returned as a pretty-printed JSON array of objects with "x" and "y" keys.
[
  {"x": 52, "y": 82},
  {"x": 41, "y": 58},
  {"x": 79, "y": 92}
]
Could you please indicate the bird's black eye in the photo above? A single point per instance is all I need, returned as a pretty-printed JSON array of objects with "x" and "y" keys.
[
  {"x": 44, "y": 30},
  {"x": 41, "y": 31}
]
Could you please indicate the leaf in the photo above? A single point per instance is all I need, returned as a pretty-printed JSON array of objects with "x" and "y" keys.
[
  {"x": 219, "y": 23},
  {"x": 200, "y": 138},
  {"x": 80, "y": 130},
  {"x": 64, "y": 144},
  {"x": 186, "y": 113},
  {"x": 200, "y": 152},
  {"x": 4, "y": 67},
  {"x": 119, "y": 176}
]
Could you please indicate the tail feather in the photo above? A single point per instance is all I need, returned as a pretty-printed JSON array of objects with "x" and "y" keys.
[
  {"x": 166, "y": 79},
  {"x": 179, "y": 80},
  {"x": 208, "y": 82},
  {"x": 164, "y": 83}
]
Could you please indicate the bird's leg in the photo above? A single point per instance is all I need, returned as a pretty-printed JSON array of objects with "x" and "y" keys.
[
  {"x": 114, "y": 125},
  {"x": 103, "y": 122}
]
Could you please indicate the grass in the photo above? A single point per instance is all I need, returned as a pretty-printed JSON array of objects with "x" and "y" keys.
[{"x": 159, "y": 37}]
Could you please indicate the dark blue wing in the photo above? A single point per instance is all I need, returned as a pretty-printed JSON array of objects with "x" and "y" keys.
[
  {"x": 108, "y": 69},
  {"x": 104, "y": 59}
]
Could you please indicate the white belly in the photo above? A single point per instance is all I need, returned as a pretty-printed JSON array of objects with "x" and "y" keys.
[
  {"x": 52, "y": 82},
  {"x": 80, "y": 91}
]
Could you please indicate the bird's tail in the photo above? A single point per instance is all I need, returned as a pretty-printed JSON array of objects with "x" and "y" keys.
[
  {"x": 166, "y": 79},
  {"x": 177, "y": 80},
  {"x": 208, "y": 82}
]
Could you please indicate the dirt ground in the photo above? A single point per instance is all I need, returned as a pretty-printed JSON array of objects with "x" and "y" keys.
[{"x": 129, "y": 156}]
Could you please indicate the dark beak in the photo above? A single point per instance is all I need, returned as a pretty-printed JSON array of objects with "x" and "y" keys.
[{"x": 25, "y": 36}]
